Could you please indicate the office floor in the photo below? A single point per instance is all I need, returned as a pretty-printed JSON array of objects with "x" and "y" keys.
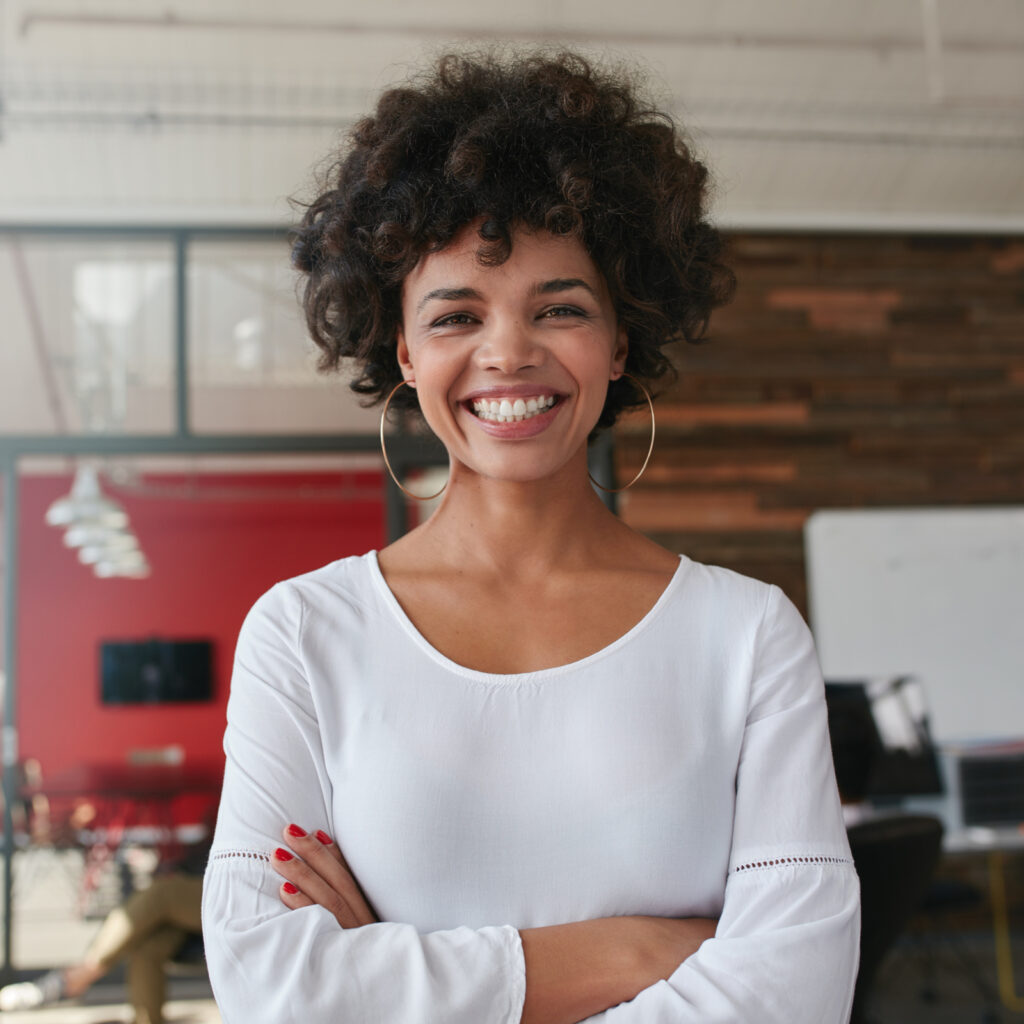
[
  {"x": 49, "y": 931},
  {"x": 189, "y": 1004},
  {"x": 964, "y": 978}
]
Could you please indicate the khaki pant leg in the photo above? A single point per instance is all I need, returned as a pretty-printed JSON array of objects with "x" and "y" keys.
[
  {"x": 170, "y": 900},
  {"x": 147, "y": 981}
]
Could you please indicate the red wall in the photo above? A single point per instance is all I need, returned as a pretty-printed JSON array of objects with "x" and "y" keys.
[{"x": 210, "y": 559}]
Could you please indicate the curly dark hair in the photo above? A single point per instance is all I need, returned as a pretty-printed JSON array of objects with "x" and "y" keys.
[{"x": 535, "y": 142}]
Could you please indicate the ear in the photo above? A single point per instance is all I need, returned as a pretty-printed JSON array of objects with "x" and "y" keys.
[
  {"x": 402, "y": 353},
  {"x": 619, "y": 353}
]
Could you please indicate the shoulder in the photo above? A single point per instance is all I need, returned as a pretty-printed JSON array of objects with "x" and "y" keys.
[
  {"x": 728, "y": 604},
  {"x": 347, "y": 579},
  {"x": 342, "y": 587},
  {"x": 746, "y": 614},
  {"x": 293, "y": 621}
]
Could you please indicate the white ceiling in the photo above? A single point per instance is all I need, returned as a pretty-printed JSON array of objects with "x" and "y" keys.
[{"x": 871, "y": 114}]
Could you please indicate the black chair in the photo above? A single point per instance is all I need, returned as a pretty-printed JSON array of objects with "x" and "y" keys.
[
  {"x": 895, "y": 858},
  {"x": 191, "y": 957},
  {"x": 946, "y": 897}
]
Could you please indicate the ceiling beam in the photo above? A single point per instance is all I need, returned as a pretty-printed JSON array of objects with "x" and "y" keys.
[{"x": 169, "y": 20}]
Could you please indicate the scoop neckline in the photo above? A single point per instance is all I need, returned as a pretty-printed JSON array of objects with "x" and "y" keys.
[{"x": 434, "y": 654}]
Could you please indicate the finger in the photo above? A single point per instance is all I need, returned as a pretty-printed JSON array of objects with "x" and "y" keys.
[
  {"x": 314, "y": 887},
  {"x": 332, "y": 848},
  {"x": 326, "y": 859},
  {"x": 292, "y": 897},
  {"x": 335, "y": 850}
]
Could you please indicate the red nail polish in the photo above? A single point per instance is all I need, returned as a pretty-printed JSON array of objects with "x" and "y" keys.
[
  {"x": 295, "y": 830},
  {"x": 323, "y": 837},
  {"x": 282, "y": 854},
  {"x": 290, "y": 889}
]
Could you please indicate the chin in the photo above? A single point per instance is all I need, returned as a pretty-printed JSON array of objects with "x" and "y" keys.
[{"x": 512, "y": 473}]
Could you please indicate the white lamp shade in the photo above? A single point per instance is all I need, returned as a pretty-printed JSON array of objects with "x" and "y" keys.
[
  {"x": 108, "y": 569},
  {"x": 83, "y": 535},
  {"x": 65, "y": 511},
  {"x": 86, "y": 504},
  {"x": 119, "y": 548}
]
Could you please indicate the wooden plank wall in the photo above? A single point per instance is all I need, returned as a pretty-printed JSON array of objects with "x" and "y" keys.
[{"x": 849, "y": 371}]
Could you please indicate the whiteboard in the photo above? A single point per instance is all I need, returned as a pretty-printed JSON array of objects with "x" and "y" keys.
[{"x": 937, "y": 593}]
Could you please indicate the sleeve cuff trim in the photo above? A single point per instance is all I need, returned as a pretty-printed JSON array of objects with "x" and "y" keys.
[
  {"x": 239, "y": 855},
  {"x": 757, "y": 865}
]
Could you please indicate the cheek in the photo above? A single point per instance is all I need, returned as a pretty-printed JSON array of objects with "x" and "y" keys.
[{"x": 436, "y": 384}]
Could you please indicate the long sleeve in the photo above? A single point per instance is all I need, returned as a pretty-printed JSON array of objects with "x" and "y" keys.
[
  {"x": 786, "y": 947},
  {"x": 270, "y": 964}
]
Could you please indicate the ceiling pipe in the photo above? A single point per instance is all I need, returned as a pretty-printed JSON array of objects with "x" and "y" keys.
[
  {"x": 171, "y": 20},
  {"x": 154, "y": 120}
]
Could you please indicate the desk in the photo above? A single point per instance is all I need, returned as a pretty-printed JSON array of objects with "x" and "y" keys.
[
  {"x": 995, "y": 843},
  {"x": 128, "y": 796},
  {"x": 146, "y": 782},
  {"x": 980, "y": 839}
]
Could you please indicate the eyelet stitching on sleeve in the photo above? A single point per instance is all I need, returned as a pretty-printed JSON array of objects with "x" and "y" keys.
[
  {"x": 240, "y": 854},
  {"x": 781, "y": 861}
]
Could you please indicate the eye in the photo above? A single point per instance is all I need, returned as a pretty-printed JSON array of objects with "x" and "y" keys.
[
  {"x": 453, "y": 320},
  {"x": 558, "y": 312}
]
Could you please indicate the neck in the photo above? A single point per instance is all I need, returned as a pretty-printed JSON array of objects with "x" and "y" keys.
[{"x": 520, "y": 529}]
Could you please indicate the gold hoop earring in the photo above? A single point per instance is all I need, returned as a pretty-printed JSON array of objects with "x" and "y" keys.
[
  {"x": 650, "y": 447},
  {"x": 384, "y": 452}
]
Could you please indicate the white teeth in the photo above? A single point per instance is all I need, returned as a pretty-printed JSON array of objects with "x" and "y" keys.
[{"x": 507, "y": 410}]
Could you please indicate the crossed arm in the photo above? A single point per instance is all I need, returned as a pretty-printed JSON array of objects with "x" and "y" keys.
[{"x": 573, "y": 971}]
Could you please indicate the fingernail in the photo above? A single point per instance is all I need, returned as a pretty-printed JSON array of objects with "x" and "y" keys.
[
  {"x": 290, "y": 889},
  {"x": 323, "y": 837},
  {"x": 282, "y": 854},
  {"x": 295, "y": 830}
]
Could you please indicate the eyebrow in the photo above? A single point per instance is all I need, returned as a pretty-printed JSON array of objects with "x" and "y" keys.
[
  {"x": 448, "y": 295},
  {"x": 562, "y": 284},
  {"x": 557, "y": 284}
]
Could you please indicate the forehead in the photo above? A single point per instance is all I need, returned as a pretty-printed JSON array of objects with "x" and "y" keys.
[{"x": 535, "y": 256}]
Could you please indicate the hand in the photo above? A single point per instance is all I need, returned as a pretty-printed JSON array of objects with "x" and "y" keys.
[{"x": 320, "y": 875}]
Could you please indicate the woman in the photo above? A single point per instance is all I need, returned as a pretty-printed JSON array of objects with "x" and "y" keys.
[{"x": 523, "y": 764}]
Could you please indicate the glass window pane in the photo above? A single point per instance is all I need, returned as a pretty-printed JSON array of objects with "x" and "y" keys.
[
  {"x": 88, "y": 335},
  {"x": 252, "y": 365}
]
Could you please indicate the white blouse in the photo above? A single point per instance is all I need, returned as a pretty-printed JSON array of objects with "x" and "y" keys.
[{"x": 684, "y": 770}]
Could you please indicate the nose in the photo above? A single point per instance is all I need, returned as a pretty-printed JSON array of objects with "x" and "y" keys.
[{"x": 509, "y": 345}]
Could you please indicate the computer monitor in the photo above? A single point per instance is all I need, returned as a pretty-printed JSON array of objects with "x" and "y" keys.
[{"x": 881, "y": 742}]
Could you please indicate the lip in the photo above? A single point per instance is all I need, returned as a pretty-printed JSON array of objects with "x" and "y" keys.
[{"x": 517, "y": 429}]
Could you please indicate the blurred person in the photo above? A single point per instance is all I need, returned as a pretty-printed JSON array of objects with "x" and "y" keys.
[{"x": 145, "y": 932}]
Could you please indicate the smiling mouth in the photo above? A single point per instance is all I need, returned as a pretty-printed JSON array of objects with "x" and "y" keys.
[{"x": 511, "y": 410}]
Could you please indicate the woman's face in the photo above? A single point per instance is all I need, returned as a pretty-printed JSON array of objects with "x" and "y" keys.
[{"x": 511, "y": 363}]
